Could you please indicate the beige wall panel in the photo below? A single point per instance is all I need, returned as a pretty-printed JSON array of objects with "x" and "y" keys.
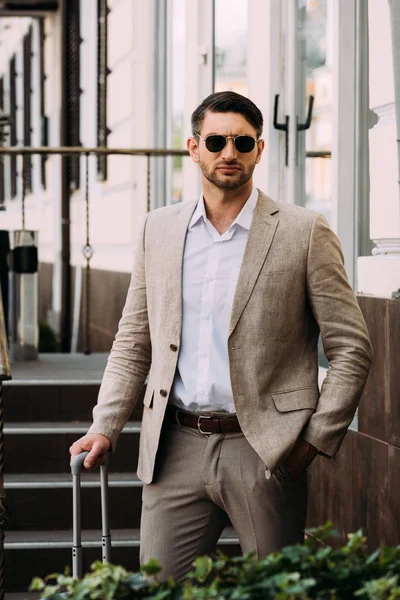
[
  {"x": 120, "y": 100},
  {"x": 112, "y": 231},
  {"x": 385, "y": 207},
  {"x": 123, "y": 135},
  {"x": 380, "y": 54},
  {"x": 121, "y": 171},
  {"x": 120, "y": 31}
]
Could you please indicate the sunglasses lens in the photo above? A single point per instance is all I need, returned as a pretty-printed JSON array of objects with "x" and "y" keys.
[
  {"x": 215, "y": 143},
  {"x": 245, "y": 143}
]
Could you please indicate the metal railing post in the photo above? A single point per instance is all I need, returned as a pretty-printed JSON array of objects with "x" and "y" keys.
[
  {"x": 87, "y": 253},
  {"x": 148, "y": 182}
]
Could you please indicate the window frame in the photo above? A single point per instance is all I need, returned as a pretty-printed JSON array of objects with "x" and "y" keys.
[
  {"x": 44, "y": 122},
  {"x": 27, "y": 108},
  {"x": 73, "y": 90},
  {"x": 13, "y": 124},
  {"x": 102, "y": 75}
]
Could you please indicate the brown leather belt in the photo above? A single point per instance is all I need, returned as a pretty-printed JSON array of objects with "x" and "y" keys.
[{"x": 204, "y": 423}]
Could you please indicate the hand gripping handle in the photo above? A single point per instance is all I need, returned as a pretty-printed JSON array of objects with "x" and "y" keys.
[{"x": 76, "y": 469}]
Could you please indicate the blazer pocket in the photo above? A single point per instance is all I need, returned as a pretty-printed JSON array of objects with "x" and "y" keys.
[
  {"x": 148, "y": 397},
  {"x": 304, "y": 398}
]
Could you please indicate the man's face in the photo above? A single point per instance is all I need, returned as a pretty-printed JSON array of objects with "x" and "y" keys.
[{"x": 228, "y": 169}]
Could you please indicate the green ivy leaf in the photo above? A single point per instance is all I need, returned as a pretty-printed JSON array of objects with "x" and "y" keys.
[
  {"x": 152, "y": 568},
  {"x": 37, "y": 585},
  {"x": 202, "y": 568}
]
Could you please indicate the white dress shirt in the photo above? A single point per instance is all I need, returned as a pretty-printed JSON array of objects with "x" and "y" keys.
[{"x": 211, "y": 265}]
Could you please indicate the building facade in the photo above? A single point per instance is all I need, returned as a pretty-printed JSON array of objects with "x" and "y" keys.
[{"x": 127, "y": 74}]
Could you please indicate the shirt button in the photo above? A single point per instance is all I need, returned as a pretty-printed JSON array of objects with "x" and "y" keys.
[
  {"x": 173, "y": 347},
  {"x": 267, "y": 474},
  {"x": 163, "y": 393}
]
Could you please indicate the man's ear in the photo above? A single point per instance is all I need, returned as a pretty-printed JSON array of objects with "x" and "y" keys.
[
  {"x": 193, "y": 147},
  {"x": 260, "y": 150}
]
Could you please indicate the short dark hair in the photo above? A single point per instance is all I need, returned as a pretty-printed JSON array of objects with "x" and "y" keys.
[{"x": 223, "y": 102}]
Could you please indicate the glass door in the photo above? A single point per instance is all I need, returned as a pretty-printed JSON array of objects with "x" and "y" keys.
[
  {"x": 316, "y": 39},
  {"x": 304, "y": 110},
  {"x": 321, "y": 117}
]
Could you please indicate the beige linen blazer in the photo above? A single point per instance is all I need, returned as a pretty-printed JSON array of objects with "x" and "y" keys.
[{"x": 292, "y": 285}]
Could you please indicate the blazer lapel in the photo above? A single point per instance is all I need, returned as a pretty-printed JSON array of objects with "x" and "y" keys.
[
  {"x": 260, "y": 238},
  {"x": 173, "y": 250}
]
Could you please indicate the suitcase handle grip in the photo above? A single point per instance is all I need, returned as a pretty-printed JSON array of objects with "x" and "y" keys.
[
  {"x": 76, "y": 469},
  {"x": 77, "y": 463}
]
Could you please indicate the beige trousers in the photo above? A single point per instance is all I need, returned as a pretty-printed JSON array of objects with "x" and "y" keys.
[{"x": 203, "y": 482}]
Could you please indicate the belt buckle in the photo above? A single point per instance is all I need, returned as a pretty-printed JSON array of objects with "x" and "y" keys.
[{"x": 199, "y": 424}]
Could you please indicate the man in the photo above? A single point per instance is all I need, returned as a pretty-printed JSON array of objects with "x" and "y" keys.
[{"x": 227, "y": 299}]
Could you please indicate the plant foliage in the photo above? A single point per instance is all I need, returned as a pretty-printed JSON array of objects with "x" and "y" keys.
[{"x": 313, "y": 570}]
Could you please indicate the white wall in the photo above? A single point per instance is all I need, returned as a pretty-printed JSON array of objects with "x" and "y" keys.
[{"x": 380, "y": 274}]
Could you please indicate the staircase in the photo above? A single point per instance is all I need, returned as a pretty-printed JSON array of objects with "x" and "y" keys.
[{"x": 47, "y": 406}]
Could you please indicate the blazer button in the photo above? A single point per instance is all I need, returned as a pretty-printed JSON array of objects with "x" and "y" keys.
[
  {"x": 163, "y": 393},
  {"x": 173, "y": 347},
  {"x": 267, "y": 474}
]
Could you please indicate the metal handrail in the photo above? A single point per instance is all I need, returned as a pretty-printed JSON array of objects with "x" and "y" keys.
[
  {"x": 5, "y": 374},
  {"x": 5, "y": 370},
  {"x": 71, "y": 150},
  {"x": 318, "y": 154},
  {"x": 66, "y": 150}
]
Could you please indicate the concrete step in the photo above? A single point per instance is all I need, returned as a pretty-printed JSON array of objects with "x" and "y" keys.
[
  {"x": 121, "y": 538},
  {"x": 45, "y": 552},
  {"x": 52, "y": 481},
  {"x": 22, "y": 565},
  {"x": 56, "y": 427},
  {"x": 43, "y": 446},
  {"x": 53, "y": 401},
  {"x": 44, "y": 501}
]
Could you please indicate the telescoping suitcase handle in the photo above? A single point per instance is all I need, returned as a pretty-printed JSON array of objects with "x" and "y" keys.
[{"x": 76, "y": 469}]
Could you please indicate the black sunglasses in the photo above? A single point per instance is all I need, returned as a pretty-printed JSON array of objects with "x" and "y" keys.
[{"x": 216, "y": 143}]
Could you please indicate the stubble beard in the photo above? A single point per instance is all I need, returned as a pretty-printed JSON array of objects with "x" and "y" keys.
[{"x": 232, "y": 182}]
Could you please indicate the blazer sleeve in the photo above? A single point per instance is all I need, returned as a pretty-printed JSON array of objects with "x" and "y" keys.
[
  {"x": 129, "y": 361},
  {"x": 345, "y": 340}
]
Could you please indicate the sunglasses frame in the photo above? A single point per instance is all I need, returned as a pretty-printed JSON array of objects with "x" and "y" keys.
[{"x": 228, "y": 137}]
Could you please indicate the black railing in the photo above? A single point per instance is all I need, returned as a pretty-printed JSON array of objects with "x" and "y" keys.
[{"x": 5, "y": 374}]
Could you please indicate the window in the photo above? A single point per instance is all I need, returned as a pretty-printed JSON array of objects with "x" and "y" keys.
[
  {"x": 13, "y": 126},
  {"x": 102, "y": 73},
  {"x": 231, "y": 28},
  {"x": 73, "y": 89},
  {"x": 27, "y": 66}
]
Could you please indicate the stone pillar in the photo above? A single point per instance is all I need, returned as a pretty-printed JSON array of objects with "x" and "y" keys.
[{"x": 379, "y": 274}]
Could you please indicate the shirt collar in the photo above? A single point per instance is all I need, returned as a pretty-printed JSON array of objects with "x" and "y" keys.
[{"x": 244, "y": 218}]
